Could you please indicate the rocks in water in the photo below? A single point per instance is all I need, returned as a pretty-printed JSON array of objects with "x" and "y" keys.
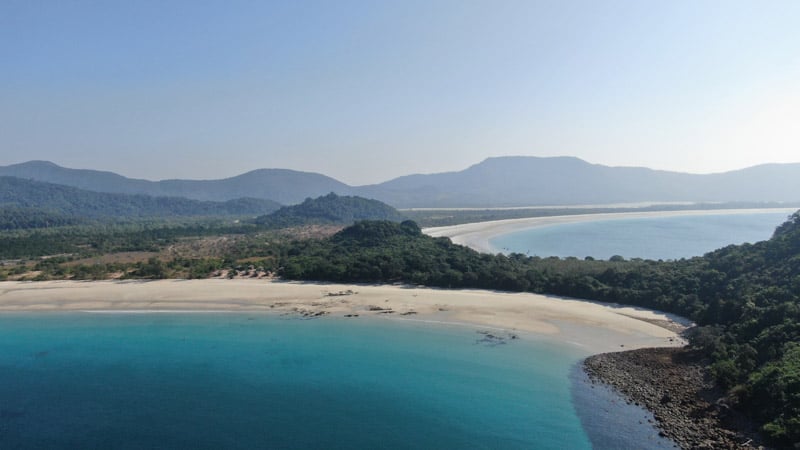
[
  {"x": 307, "y": 313},
  {"x": 495, "y": 338},
  {"x": 408, "y": 313},
  {"x": 674, "y": 384}
]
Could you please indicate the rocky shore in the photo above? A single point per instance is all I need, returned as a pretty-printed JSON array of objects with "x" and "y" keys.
[{"x": 675, "y": 385}]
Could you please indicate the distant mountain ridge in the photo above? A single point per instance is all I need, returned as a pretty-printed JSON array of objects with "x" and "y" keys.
[
  {"x": 529, "y": 181},
  {"x": 280, "y": 185},
  {"x": 31, "y": 197},
  {"x": 495, "y": 182}
]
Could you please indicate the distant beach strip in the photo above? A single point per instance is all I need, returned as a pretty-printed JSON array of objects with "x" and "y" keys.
[{"x": 478, "y": 235}]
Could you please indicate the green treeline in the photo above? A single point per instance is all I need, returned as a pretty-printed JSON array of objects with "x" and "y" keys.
[
  {"x": 75, "y": 205},
  {"x": 20, "y": 218},
  {"x": 745, "y": 298},
  {"x": 97, "y": 239}
]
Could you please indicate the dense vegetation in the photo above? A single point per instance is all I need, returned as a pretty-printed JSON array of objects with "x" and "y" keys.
[
  {"x": 24, "y": 237},
  {"x": 329, "y": 209},
  {"x": 18, "y": 218},
  {"x": 746, "y": 298},
  {"x": 96, "y": 239},
  {"x": 74, "y": 205}
]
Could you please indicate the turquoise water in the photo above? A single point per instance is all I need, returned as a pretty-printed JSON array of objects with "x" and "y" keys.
[
  {"x": 651, "y": 238},
  {"x": 236, "y": 381}
]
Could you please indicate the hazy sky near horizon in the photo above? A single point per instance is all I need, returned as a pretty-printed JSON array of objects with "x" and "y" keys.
[{"x": 367, "y": 91}]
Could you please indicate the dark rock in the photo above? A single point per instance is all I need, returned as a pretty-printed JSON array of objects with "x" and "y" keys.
[{"x": 673, "y": 383}]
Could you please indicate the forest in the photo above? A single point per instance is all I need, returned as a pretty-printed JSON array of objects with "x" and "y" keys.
[
  {"x": 28, "y": 204},
  {"x": 743, "y": 297}
]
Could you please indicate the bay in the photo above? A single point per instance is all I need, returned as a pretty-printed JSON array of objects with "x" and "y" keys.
[
  {"x": 259, "y": 381},
  {"x": 233, "y": 381},
  {"x": 667, "y": 237}
]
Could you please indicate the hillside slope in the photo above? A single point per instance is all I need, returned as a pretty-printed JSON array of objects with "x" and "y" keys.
[
  {"x": 330, "y": 209},
  {"x": 279, "y": 185},
  {"x": 528, "y": 181},
  {"x": 33, "y": 198},
  {"x": 746, "y": 298}
]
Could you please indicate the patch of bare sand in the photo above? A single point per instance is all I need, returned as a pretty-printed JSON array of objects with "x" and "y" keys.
[{"x": 593, "y": 327}]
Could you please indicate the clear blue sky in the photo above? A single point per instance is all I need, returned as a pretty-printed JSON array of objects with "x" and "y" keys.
[{"x": 366, "y": 91}]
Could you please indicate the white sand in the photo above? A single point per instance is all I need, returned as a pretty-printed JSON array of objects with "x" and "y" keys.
[
  {"x": 477, "y": 235},
  {"x": 592, "y": 327}
]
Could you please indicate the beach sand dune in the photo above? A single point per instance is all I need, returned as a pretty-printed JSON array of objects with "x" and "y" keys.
[{"x": 590, "y": 326}]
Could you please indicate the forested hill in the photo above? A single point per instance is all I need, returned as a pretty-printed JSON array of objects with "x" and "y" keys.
[
  {"x": 33, "y": 203},
  {"x": 746, "y": 298},
  {"x": 330, "y": 209},
  {"x": 279, "y": 185}
]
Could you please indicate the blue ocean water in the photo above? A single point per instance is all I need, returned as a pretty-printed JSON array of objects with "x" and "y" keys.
[
  {"x": 651, "y": 238},
  {"x": 258, "y": 381}
]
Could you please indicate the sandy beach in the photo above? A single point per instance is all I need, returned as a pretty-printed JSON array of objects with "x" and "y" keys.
[
  {"x": 591, "y": 327},
  {"x": 477, "y": 235}
]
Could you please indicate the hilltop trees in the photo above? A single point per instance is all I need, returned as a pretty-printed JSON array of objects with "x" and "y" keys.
[{"x": 745, "y": 298}]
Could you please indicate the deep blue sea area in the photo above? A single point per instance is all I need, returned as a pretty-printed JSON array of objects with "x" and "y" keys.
[
  {"x": 651, "y": 238},
  {"x": 118, "y": 381}
]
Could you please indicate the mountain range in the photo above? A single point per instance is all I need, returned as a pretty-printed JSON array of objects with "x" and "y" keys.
[{"x": 495, "y": 182}]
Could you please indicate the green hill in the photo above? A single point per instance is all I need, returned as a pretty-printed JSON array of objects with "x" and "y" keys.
[
  {"x": 27, "y": 203},
  {"x": 330, "y": 209},
  {"x": 279, "y": 185}
]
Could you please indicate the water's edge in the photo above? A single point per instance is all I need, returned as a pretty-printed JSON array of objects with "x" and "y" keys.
[{"x": 610, "y": 420}]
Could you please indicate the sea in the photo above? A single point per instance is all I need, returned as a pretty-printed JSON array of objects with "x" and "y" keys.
[
  {"x": 668, "y": 237},
  {"x": 244, "y": 381}
]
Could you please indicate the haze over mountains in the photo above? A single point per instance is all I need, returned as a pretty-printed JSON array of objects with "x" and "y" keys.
[
  {"x": 495, "y": 182},
  {"x": 68, "y": 201}
]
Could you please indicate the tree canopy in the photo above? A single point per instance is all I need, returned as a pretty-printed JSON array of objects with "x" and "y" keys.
[{"x": 746, "y": 298}]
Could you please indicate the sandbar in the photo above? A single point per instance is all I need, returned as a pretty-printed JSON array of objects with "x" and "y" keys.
[
  {"x": 478, "y": 235},
  {"x": 591, "y": 327}
]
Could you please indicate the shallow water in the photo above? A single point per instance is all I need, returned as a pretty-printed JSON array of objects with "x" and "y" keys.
[
  {"x": 259, "y": 381},
  {"x": 610, "y": 421},
  {"x": 649, "y": 238}
]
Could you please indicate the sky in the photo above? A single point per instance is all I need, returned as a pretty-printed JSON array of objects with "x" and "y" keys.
[{"x": 368, "y": 91}]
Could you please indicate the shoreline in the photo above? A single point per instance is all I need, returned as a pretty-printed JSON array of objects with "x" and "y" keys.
[
  {"x": 590, "y": 327},
  {"x": 675, "y": 385},
  {"x": 478, "y": 235}
]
